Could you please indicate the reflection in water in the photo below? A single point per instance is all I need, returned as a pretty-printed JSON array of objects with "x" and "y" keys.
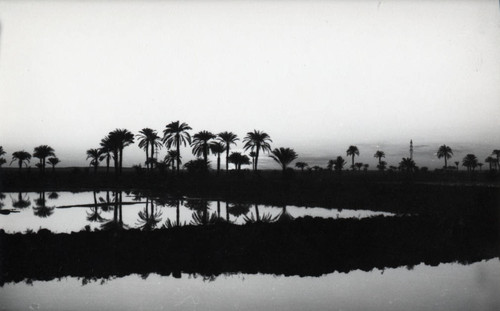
[
  {"x": 107, "y": 211},
  {"x": 41, "y": 209},
  {"x": 445, "y": 287}
]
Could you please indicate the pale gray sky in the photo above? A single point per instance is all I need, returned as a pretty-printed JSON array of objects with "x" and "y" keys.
[{"x": 316, "y": 75}]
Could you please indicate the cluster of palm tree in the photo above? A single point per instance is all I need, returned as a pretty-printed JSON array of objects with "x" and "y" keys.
[
  {"x": 203, "y": 143},
  {"x": 44, "y": 153}
]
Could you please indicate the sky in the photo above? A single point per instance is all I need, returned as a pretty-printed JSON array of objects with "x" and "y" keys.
[{"x": 317, "y": 76}]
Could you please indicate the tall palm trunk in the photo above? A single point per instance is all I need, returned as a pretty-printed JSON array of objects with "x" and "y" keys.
[
  {"x": 445, "y": 162},
  {"x": 178, "y": 144},
  {"x": 227, "y": 157},
  {"x": 108, "y": 158},
  {"x": 352, "y": 157},
  {"x": 152, "y": 154},
  {"x": 218, "y": 163},
  {"x": 205, "y": 153},
  {"x": 256, "y": 158},
  {"x": 257, "y": 213},
  {"x": 121, "y": 160},
  {"x": 178, "y": 212},
  {"x": 147, "y": 156}
]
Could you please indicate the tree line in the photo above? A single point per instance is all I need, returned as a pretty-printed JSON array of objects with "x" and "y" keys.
[{"x": 204, "y": 143}]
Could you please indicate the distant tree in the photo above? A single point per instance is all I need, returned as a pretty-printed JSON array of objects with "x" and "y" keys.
[
  {"x": 382, "y": 165},
  {"x": 480, "y": 166},
  {"x": 317, "y": 168},
  {"x": 283, "y": 156},
  {"x": 196, "y": 166},
  {"x": 95, "y": 157},
  {"x": 365, "y": 167},
  {"x": 330, "y": 165},
  {"x": 228, "y": 138},
  {"x": 201, "y": 144},
  {"x": 149, "y": 140},
  {"x": 339, "y": 163},
  {"x": 491, "y": 161},
  {"x": 446, "y": 153},
  {"x": 2, "y": 152},
  {"x": 2, "y": 161},
  {"x": 379, "y": 154},
  {"x": 470, "y": 162},
  {"x": 352, "y": 151},
  {"x": 456, "y": 164},
  {"x": 42, "y": 152},
  {"x": 21, "y": 157},
  {"x": 107, "y": 151},
  {"x": 358, "y": 165},
  {"x": 171, "y": 158},
  {"x": 217, "y": 148},
  {"x": 257, "y": 141},
  {"x": 53, "y": 161},
  {"x": 238, "y": 160},
  {"x": 301, "y": 165},
  {"x": 121, "y": 138},
  {"x": 496, "y": 153},
  {"x": 176, "y": 133},
  {"x": 407, "y": 164}
]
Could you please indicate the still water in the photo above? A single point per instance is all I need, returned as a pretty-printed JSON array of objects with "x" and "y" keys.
[
  {"x": 71, "y": 212},
  {"x": 445, "y": 287}
]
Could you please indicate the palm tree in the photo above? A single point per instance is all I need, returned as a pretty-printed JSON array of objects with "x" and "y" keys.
[
  {"x": 352, "y": 151},
  {"x": 2, "y": 152},
  {"x": 21, "y": 157},
  {"x": 496, "y": 152},
  {"x": 238, "y": 160},
  {"x": 283, "y": 156},
  {"x": 491, "y": 161},
  {"x": 379, "y": 154},
  {"x": 95, "y": 155},
  {"x": 456, "y": 164},
  {"x": 53, "y": 161},
  {"x": 217, "y": 148},
  {"x": 301, "y": 165},
  {"x": 176, "y": 134},
  {"x": 149, "y": 139},
  {"x": 228, "y": 138},
  {"x": 106, "y": 151},
  {"x": 201, "y": 143},
  {"x": 407, "y": 164},
  {"x": 469, "y": 161},
  {"x": 121, "y": 138},
  {"x": 358, "y": 165},
  {"x": 257, "y": 141},
  {"x": 171, "y": 157},
  {"x": 446, "y": 153},
  {"x": 41, "y": 209},
  {"x": 42, "y": 152}
]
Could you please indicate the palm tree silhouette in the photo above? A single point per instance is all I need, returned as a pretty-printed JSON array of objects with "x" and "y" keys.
[
  {"x": 53, "y": 161},
  {"x": 2, "y": 152},
  {"x": 239, "y": 209},
  {"x": 338, "y": 164},
  {"x": 121, "y": 138},
  {"x": 42, "y": 152},
  {"x": 149, "y": 220},
  {"x": 94, "y": 214},
  {"x": 496, "y": 152},
  {"x": 107, "y": 151},
  {"x": 257, "y": 141},
  {"x": 407, "y": 164},
  {"x": 456, "y": 164},
  {"x": 228, "y": 138},
  {"x": 149, "y": 139},
  {"x": 117, "y": 222},
  {"x": 283, "y": 156},
  {"x": 352, "y": 151},
  {"x": 176, "y": 134},
  {"x": 358, "y": 165},
  {"x": 491, "y": 161},
  {"x": 446, "y": 153},
  {"x": 95, "y": 156},
  {"x": 470, "y": 162},
  {"x": 21, "y": 157},
  {"x": 21, "y": 202},
  {"x": 301, "y": 165},
  {"x": 171, "y": 157},
  {"x": 217, "y": 148},
  {"x": 379, "y": 154},
  {"x": 201, "y": 144},
  {"x": 238, "y": 160}
]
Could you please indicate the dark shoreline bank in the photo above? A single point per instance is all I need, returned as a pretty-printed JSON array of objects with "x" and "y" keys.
[{"x": 304, "y": 247}]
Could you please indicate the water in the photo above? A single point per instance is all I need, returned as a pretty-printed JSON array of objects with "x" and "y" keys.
[
  {"x": 449, "y": 286},
  {"x": 71, "y": 212}
]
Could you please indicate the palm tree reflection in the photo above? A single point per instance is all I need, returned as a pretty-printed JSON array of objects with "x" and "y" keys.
[
  {"x": 201, "y": 216},
  {"x": 239, "y": 209},
  {"x": 94, "y": 214},
  {"x": 117, "y": 222},
  {"x": 21, "y": 202},
  {"x": 41, "y": 209},
  {"x": 148, "y": 220}
]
